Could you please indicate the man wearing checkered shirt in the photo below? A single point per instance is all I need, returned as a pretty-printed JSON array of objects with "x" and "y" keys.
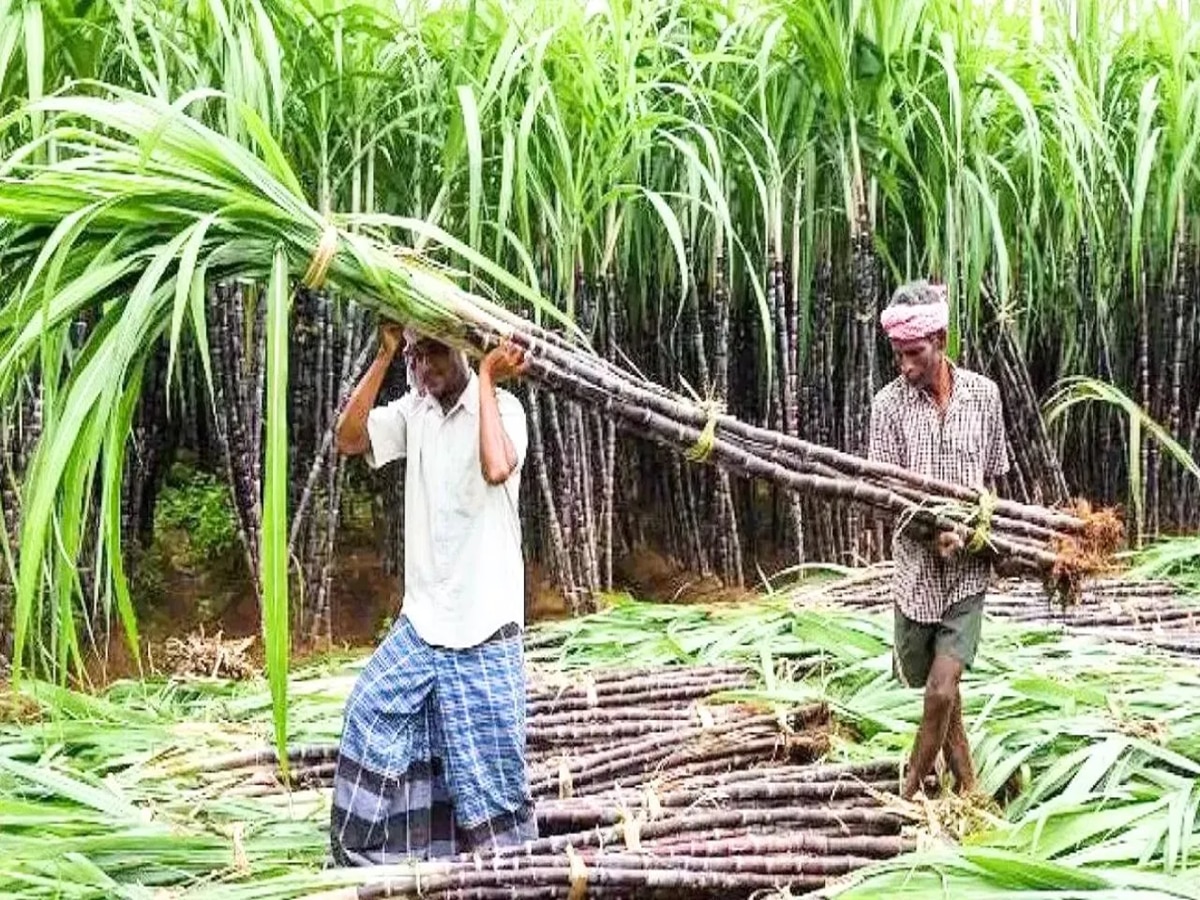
[
  {"x": 943, "y": 422},
  {"x": 432, "y": 755}
]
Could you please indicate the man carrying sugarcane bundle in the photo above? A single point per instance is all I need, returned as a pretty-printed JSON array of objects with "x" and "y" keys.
[
  {"x": 432, "y": 756},
  {"x": 943, "y": 422}
]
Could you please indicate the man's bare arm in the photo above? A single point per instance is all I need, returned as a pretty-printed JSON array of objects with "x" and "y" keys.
[
  {"x": 497, "y": 455},
  {"x": 351, "y": 432}
]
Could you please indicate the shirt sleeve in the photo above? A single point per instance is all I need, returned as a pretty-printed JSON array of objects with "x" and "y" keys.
[
  {"x": 885, "y": 445},
  {"x": 387, "y": 430},
  {"x": 996, "y": 461},
  {"x": 512, "y": 417}
]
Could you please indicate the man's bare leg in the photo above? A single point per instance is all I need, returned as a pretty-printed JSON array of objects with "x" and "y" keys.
[
  {"x": 957, "y": 750},
  {"x": 941, "y": 692}
]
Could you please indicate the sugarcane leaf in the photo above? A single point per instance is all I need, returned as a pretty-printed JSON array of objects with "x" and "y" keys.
[
  {"x": 275, "y": 158},
  {"x": 474, "y": 137},
  {"x": 65, "y": 303},
  {"x": 275, "y": 513},
  {"x": 1178, "y": 822},
  {"x": 114, "y": 465},
  {"x": 1022, "y": 871},
  {"x": 35, "y": 59},
  {"x": 71, "y": 789},
  {"x": 10, "y": 32},
  {"x": 184, "y": 285},
  {"x": 1145, "y": 157},
  {"x": 1068, "y": 828},
  {"x": 1080, "y": 389},
  {"x": 50, "y": 460},
  {"x": 505, "y": 200},
  {"x": 674, "y": 232},
  {"x": 1099, "y": 763}
]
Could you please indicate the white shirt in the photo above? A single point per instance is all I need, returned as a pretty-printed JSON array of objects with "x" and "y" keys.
[{"x": 464, "y": 577}]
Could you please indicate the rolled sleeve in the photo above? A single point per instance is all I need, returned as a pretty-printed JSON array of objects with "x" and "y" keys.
[
  {"x": 387, "y": 431},
  {"x": 512, "y": 417}
]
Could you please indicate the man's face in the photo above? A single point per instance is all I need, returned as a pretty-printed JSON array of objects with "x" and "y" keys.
[
  {"x": 438, "y": 367},
  {"x": 918, "y": 361}
]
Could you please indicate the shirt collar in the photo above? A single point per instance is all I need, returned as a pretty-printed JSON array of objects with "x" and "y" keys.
[{"x": 468, "y": 400}]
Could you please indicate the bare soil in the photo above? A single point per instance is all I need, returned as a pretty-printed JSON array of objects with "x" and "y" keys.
[{"x": 217, "y": 598}]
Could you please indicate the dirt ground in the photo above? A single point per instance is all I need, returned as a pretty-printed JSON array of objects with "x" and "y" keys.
[{"x": 218, "y": 600}]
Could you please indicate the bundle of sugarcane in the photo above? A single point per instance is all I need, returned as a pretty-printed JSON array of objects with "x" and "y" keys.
[
  {"x": 734, "y": 867},
  {"x": 787, "y": 828},
  {"x": 733, "y": 833},
  {"x": 1061, "y": 544},
  {"x": 664, "y": 789},
  {"x": 1149, "y": 613},
  {"x": 622, "y": 726},
  {"x": 588, "y": 734}
]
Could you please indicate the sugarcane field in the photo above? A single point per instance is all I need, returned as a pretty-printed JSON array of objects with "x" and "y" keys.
[{"x": 618, "y": 449}]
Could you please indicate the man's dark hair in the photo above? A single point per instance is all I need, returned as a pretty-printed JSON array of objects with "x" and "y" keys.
[{"x": 918, "y": 293}]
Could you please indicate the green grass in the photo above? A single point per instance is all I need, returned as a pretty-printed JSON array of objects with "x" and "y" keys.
[{"x": 96, "y": 801}]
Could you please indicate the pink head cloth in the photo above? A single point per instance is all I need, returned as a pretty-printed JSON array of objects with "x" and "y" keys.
[{"x": 915, "y": 322}]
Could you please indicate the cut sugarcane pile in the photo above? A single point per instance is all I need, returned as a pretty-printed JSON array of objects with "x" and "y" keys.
[
  {"x": 1062, "y": 545},
  {"x": 1150, "y": 613},
  {"x": 632, "y": 727},
  {"x": 645, "y": 782}
]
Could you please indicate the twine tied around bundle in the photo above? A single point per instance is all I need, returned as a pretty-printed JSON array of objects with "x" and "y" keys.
[
  {"x": 702, "y": 449},
  {"x": 318, "y": 266},
  {"x": 983, "y": 521}
]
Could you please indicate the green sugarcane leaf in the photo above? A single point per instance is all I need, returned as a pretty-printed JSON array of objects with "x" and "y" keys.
[
  {"x": 72, "y": 790},
  {"x": 275, "y": 512},
  {"x": 1019, "y": 871},
  {"x": 35, "y": 59},
  {"x": 184, "y": 285},
  {"x": 675, "y": 233},
  {"x": 505, "y": 200}
]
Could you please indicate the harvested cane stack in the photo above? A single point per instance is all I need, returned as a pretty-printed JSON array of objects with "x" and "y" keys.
[
  {"x": 644, "y": 785},
  {"x": 1147, "y": 613},
  {"x": 1061, "y": 545}
]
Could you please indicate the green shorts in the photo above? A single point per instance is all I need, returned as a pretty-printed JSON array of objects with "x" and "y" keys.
[{"x": 917, "y": 643}]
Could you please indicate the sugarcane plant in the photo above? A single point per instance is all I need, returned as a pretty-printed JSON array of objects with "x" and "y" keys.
[
  {"x": 717, "y": 202},
  {"x": 93, "y": 258}
]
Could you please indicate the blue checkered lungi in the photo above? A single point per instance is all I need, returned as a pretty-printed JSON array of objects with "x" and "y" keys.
[{"x": 432, "y": 756}]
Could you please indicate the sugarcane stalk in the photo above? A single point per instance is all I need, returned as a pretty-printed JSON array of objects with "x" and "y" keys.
[
  {"x": 672, "y": 693},
  {"x": 803, "y": 842},
  {"x": 226, "y": 410},
  {"x": 657, "y": 675},
  {"x": 598, "y": 877},
  {"x": 320, "y": 458},
  {"x": 584, "y": 496},
  {"x": 1179, "y": 297},
  {"x": 705, "y": 821},
  {"x": 571, "y": 371},
  {"x": 561, "y": 559},
  {"x": 673, "y": 433}
]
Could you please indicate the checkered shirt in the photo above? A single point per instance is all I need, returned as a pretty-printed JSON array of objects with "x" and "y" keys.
[{"x": 967, "y": 445}]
